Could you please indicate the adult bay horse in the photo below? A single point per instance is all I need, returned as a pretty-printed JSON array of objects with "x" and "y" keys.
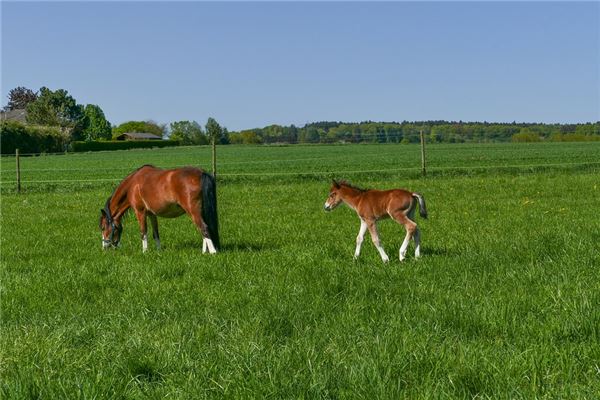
[
  {"x": 373, "y": 205},
  {"x": 153, "y": 192}
]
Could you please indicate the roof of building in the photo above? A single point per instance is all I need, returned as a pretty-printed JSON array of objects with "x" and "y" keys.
[
  {"x": 14, "y": 115},
  {"x": 140, "y": 135}
]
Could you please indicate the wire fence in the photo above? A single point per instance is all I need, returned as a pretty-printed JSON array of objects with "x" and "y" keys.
[
  {"x": 336, "y": 161},
  {"x": 332, "y": 172}
]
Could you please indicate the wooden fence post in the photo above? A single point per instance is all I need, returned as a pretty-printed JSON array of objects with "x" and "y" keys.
[
  {"x": 423, "y": 170},
  {"x": 214, "y": 158},
  {"x": 18, "y": 171}
]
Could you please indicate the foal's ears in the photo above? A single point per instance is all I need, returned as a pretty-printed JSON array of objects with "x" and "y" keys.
[
  {"x": 103, "y": 213},
  {"x": 335, "y": 184}
]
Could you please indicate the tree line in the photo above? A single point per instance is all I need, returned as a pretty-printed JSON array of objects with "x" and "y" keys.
[
  {"x": 409, "y": 132},
  {"x": 54, "y": 119}
]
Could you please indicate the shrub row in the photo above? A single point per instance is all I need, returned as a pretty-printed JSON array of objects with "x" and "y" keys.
[
  {"x": 120, "y": 145},
  {"x": 555, "y": 137},
  {"x": 30, "y": 138}
]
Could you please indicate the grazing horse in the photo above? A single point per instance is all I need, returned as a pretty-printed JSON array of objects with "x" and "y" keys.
[
  {"x": 153, "y": 192},
  {"x": 373, "y": 205}
]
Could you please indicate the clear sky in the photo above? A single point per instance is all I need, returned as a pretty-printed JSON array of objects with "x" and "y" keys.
[{"x": 251, "y": 64}]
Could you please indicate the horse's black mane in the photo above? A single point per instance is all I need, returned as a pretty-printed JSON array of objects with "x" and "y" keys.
[
  {"x": 348, "y": 184},
  {"x": 107, "y": 204}
]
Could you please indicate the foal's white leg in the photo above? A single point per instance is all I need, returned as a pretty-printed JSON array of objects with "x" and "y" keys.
[
  {"x": 377, "y": 243},
  {"x": 404, "y": 246},
  {"x": 360, "y": 238},
  {"x": 203, "y": 245}
]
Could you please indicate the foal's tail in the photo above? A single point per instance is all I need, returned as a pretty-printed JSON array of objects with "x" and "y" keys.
[
  {"x": 422, "y": 208},
  {"x": 209, "y": 207}
]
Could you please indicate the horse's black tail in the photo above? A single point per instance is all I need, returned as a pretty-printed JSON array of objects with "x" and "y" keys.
[
  {"x": 422, "y": 208},
  {"x": 209, "y": 207}
]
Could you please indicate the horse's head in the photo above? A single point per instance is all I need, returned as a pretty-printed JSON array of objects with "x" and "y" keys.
[
  {"x": 111, "y": 230},
  {"x": 334, "y": 199}
]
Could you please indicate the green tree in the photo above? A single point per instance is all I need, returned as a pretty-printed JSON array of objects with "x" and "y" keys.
[
  {"x": 188, "y": 133},
  {"x": 19, "y": 98},
  {"x": 98, "y": 127},
  {"x": 57, "y": 108},
  {"x": 245, "y": 137},
  {"x": 214, "y": 130},
  {"x": 140, "y": 127},
  {"x": 526, "y": 135}
]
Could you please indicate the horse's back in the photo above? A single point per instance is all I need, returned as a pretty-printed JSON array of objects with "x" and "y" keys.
[
  {"x": 156, "y": 177},
  {"x": 161, "y": 188}
]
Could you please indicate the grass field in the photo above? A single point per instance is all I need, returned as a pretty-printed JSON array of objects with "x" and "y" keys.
[{"x": 504, "y": 304}]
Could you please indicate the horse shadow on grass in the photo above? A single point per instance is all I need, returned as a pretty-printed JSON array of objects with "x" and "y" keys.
[
  {"x": 244, "y": 246},
  {"x": 426, "y": 251},
  {"x": 438, "y": 251}
]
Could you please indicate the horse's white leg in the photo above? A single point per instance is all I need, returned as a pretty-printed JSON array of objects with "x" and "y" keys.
[
  {"x": 204, "y": 247},
  {"x": 417, "y": 236},
  {"x": 144, "y": 242},
  {"x": 141, "y": 217},
  {"x": 360, "y": 238},
  {"x": 211, "y": 246},
  {"x": 375, "y": 238}
]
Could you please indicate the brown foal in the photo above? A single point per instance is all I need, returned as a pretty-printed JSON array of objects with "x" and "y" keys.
[{"x": 373, "y": 205}]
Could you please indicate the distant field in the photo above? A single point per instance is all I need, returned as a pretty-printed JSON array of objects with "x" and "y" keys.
[{"x": 505, "y": 302}]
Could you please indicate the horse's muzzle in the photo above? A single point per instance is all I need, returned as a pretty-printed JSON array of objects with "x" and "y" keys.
[{"x": 108, "y": 244}]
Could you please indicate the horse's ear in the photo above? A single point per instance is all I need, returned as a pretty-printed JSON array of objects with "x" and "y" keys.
[
  {"x": 335, "y": 184},
  {"x": 102, "y": 212}
]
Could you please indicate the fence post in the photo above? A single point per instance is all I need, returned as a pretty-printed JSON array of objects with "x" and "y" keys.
[
  {"x": 214, "y": 158},
  {"x": 18, "y": 171},
  {"x": 423, "y": 170}
]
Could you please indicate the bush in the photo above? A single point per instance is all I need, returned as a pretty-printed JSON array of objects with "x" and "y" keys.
[
  {"x": 30, "y": 138},
  {"x": 523, "y": 137},
  {"x": 120, "y": 145}
]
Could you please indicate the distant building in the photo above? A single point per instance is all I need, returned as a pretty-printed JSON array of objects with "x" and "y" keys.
[
  {"x": 14, "y": 115},
  {"x": 138, "y": 136}
]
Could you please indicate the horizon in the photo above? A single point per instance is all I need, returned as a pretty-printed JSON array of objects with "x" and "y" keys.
[{"x": 250, "y": 65}]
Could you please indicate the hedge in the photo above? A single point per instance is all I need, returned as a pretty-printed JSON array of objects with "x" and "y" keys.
[
  {"x": 30, "y": 138},
  {"x": 120, "y": 145}
]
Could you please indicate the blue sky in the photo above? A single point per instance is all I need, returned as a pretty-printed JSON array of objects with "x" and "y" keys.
[{"x": 251, "y": 64}]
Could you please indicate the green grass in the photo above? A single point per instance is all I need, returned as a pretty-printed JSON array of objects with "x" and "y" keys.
[{"x": 505, "y": 302}]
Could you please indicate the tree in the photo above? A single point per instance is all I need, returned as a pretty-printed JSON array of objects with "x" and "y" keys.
[
  {"x": 140, "y": 127},
  {"x": 188, "y": 133},
  {"x": 214, "y": 132},
  {"x": 57, "y": 109},
  {"x": 19, "y": 98},
  {"x": 245, "y": 137},
  {"x": 98, "y": 127}
]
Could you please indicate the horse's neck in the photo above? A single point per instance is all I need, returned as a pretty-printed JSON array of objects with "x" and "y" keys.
[
  {"x": 119, "y": 202},
  {"x": 351, "y": 196}
]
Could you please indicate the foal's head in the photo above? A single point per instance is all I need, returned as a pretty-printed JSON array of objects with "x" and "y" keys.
[
  {"x": 111, "y": 230},
  {"x": 334, "y": 199}
]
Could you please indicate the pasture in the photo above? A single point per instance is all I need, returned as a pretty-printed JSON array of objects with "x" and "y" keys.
[{"x": 504, "y": 303}]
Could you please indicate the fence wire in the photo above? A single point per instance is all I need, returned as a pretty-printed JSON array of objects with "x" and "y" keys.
[{"x": 324, "y": 172}]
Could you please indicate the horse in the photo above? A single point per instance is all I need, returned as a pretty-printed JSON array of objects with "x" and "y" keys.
[
  {"x": 374, "y": 205},
  {"x": 154, "y": 192}
]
